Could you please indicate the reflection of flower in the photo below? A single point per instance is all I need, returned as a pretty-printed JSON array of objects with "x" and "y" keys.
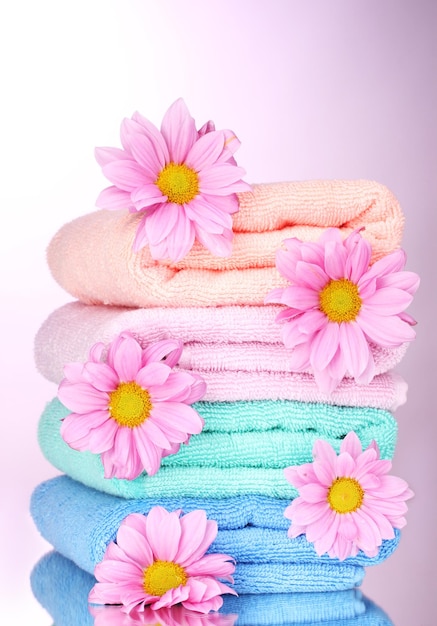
[
  {"x": 347, "y": 502},
  {"x": 159, "y": 560},
  {"x": 132, "y": 409},
  {"x": 182, "y": 180},
  {"x": 170, "y": 616},
  {"x": 337, "y": 305}
]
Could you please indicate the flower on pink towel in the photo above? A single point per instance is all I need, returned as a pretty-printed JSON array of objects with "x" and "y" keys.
[
  {"x": 130, "y": 407},
  {"x": 159, "y": 560},
  {"x": 183, "y": 181},
  {"x": 338, "y": 305},
  {"x": 346, "y": 502}
]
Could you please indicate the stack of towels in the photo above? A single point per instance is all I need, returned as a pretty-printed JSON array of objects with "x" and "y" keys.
[{"x": 260, "y": 416}]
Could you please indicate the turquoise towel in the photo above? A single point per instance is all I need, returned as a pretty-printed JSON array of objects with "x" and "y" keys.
[
  {"x": 258, "y": 438},
  {"x": 79, "y": 522},
  {"x": 62, "y": 589}
]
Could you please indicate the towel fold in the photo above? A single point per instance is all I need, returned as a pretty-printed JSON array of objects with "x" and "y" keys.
[
  {"x": 92, "y": 256},
  {"x": 236, "y": 338},
  {"x": 258, "y": 438},
  {"x": 80, "y": 522},
  {"x": 62, "y": 588}
]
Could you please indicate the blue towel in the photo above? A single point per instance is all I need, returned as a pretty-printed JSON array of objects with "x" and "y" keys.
[
  {"x": 80, "y": 522},
  {"x": 62, "y": 589}
]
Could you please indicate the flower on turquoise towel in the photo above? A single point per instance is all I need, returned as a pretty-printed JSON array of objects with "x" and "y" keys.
[{"x": 130, "y": 407}]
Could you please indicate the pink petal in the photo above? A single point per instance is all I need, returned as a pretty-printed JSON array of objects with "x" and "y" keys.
[
  {"x": 393, "y": 262},
  {"x": 180, "y": 239},
  {"x": 313, "y": 493},
  {"x": 107, "y": 155},
  {"x": 101, "y": 376},
  {"x": 158, "y": 141},
  {"x": 358, "y": 260},
  {"x": 218, "y": 245},
  {"x": 149, "y": 454},
  {"x": 113, "y": 199},
  {"x": 335, "y": 260},
  {"x": 345, "y": 464},
  {"x": 154, "y": 374},
  {"x": 147, "y": 195},
  {"x": 179, "y": 131},
  {"x": 324, "y": 346},
  {"x": 152, "y": 431},
  {"x": 126, "y": 175},
  {"x": 347, "y": 527},
  {"x": 126, "y": 358},
  {"x": 389, "y": 301},
  {"x": 161, "y": 222},
  {"x": 355, "y": 348},
  {"x": 142, "y": 149},
  {"x": 169, "y": 350},
  {"x": 308, "y": 513},
  {"x": 217, "y": 565},
  {"x": 207, "y": 216},
  {"x": 82, "y": 397},
  {"x": 407, "y": 281},
  {"x": 101, "y": 439},
  {"x": 383, "y": 330},
  {"x": 222, "y": 179},
  {"x": 205, "y": 534},
  {"x": 311, "y": 275},
  {"x": 328, "y": 538},
  {"x": 205, "y": 151},
  {"x": 180, "y": 416},
  {"x": 352, "y": 445},
  {"x": 134, "y": 544},
  {"x": 301, "y": 298}
]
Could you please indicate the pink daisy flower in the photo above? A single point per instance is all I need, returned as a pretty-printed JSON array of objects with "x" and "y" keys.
[
  {"x": 130, "y": 408},
  {"x": 338, "y": 305},
  {"x": 182, "y": 181},
  {"x": 346, "y": 503},
  {"x": 159, "y": 560}
]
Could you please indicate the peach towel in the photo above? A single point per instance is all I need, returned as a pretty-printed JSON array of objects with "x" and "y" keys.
[{"x": 92, "y": 256}]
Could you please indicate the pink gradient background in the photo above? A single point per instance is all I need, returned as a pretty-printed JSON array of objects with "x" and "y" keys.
[{"x": 316, "y": 89}]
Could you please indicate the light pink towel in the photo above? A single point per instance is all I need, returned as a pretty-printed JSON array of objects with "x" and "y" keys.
[
  {"x": 237, "y": 350},
  {"x": 92, "y": 256}
]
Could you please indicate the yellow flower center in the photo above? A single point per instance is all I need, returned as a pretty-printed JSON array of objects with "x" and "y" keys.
[
  {"x": 178, "y": 182},
  {"x": 129, "y": 404},
  {"x": 162, "y": 576},
  {"x": 345, "y": 495},
  {"x": 340, "y": 300}
]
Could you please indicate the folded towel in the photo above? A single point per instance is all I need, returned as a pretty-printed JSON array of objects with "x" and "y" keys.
[
  {"x": 80, "y": 522},
  {"x": 92, "y": 257},
  {"x": 258, "y": 438},
  {"x": 244, "y": 338},
  {"x": 62, "y": 589}
]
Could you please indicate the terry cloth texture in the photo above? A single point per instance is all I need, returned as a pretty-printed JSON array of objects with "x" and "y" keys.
[
  {"x": 260, "y": 439},
  {"x": 92, "y": 257},
  {"x": 62, "y": 589},
  {"x": 244, "y": 338},
  {"x": 80, "y": 522}
]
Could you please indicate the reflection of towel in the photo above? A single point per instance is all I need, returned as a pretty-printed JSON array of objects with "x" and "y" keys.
[
  {"x": 258, "y": 438},
  {"x": 92, "y": 256},
  {"x": 80, "y": 522},
  {"x": 62, "y": 589},
  {"x": 234, "y": 338}
]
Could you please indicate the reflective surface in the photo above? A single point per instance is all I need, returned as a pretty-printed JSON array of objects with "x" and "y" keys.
[{"x": 62, "y": 589}]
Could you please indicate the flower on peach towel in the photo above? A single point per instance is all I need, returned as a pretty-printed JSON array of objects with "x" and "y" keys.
[
  {"x": 346, "y": 503},
  {"x": 338, "y": 305},
  {"x": 159, "y": 560},
  {"x": 130, "y": 407},
  {"x": 183, "y": 181}
]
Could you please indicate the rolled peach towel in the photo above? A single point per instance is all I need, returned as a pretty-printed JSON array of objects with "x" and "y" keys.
[
  {"x": 92, "y": 257},
  {"x": 235, "y": 338}
]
